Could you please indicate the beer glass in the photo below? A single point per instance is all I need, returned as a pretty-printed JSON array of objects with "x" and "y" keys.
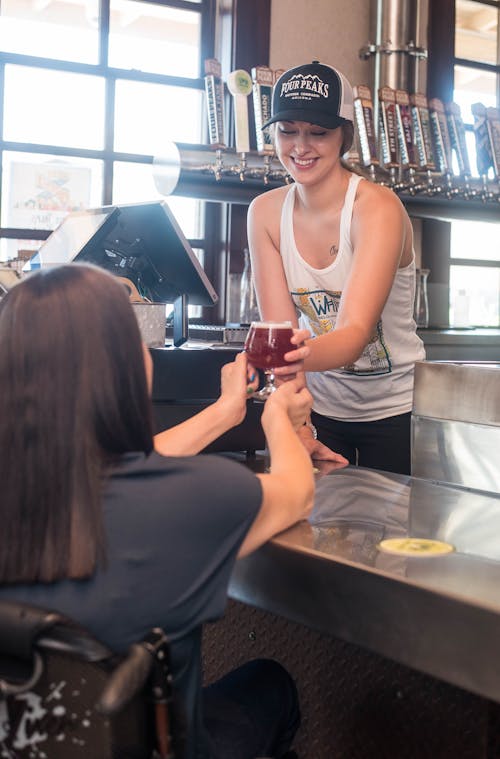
[{"x": 266, "y": 344}]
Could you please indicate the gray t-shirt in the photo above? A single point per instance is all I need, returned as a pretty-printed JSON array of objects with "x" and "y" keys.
[{"x": 173, "y": 526}]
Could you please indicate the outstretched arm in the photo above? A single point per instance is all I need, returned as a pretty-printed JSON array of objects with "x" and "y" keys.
[
  {"x": 191, "y": 436},
  {"x": 288, "y": 490}
]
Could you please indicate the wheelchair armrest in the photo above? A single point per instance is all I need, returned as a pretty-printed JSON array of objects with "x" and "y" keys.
[
  {"x": 130, "y": 676},
  {"x": 126, "y": 680}
]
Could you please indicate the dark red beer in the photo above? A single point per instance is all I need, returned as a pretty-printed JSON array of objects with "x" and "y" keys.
[{"x": 267, "y": 343}]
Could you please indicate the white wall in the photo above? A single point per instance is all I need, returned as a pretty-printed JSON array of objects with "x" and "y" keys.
[{"x": 331, "y": 31}]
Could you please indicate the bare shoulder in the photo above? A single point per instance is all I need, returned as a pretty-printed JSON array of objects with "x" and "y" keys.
[
  {"x": 372, "y": 198},
  {"x": 268, "y": 203},
  {"x": 379, "y": 217}
]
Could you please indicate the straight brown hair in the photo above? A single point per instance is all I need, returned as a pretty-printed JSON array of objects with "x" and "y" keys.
[{"x": 73, "y": 400}]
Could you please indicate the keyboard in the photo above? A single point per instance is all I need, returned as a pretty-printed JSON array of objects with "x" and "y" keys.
[{"x": 229, "y": 334}]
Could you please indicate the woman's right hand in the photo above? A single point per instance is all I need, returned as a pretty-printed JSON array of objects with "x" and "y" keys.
[
  {"x": 292, "y": 398},
  {"x": 295, "y": 358},
  {"x": 238, "y": 381}
]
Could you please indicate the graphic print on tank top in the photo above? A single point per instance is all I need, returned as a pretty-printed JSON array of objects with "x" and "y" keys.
[{"x": 320, "y": 308}]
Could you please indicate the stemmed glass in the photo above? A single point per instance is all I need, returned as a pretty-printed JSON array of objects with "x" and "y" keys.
[{"x": 266, "y": 345}]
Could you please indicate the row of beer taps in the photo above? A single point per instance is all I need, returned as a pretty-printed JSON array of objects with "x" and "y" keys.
[
  {"x": 266, "y": 169},
  {"x": 428, "y": 183},
  {"x": 413, "y": 144}
]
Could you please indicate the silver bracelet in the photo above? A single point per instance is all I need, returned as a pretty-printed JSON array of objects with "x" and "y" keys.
[{"x": 313, "y": 429}]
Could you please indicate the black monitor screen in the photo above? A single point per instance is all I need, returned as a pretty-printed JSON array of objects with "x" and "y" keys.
[
  {"x": 140, "y": 242},
  {"x": 77, "y": 232}
]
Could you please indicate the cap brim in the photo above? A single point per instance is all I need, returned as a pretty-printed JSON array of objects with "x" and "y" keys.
[{"x": 327, "y": 121}]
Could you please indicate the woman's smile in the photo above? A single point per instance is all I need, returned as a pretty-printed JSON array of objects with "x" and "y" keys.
[{"x": 303, "y": 163}]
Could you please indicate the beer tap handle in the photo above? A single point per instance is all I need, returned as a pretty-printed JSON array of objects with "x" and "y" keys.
[
  {"x": 262, "y": 86},
  {"x": 458, "y": 142},
  {"x": 239, "y": 84},
  {"x": 493, "y": 125},
  {"x": 365, "y": 127},
  {"x": 421, "y": 129},
  {"x": 387, "y": 132},
  {"x": 484, "y": 155},
  {"x": 214, "y": 91}
]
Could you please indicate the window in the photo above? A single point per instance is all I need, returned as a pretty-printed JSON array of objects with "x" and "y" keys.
[
  {"x": 90, "y": 92},
  {"x": 475, "y": 246}
]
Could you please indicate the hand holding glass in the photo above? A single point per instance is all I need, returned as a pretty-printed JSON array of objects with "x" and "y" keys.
[{"x": 266, "y": 345}]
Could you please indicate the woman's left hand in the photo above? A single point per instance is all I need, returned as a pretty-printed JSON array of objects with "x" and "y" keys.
[{"x": 295, "y": 358}]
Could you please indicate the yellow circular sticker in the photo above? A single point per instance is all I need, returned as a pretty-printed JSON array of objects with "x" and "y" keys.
[{"x": 415, "y": 547}]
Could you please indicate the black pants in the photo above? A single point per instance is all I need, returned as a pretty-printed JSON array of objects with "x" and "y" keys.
[
  {"x": 252, "y": 711},
  {"x": 382, "y": 444}
]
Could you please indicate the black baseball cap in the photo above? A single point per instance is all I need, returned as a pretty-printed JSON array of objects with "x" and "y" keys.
[{"x": 316, "y": 93}]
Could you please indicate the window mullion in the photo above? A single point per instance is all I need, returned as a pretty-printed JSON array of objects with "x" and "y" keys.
[
  {"x": 109, "y": 129},
  {"x": 104, "y": 12},
  {"x": 481, "y": 262}
]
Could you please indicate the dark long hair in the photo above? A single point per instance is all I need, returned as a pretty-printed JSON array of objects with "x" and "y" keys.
[{"x": 73, "y": 399}]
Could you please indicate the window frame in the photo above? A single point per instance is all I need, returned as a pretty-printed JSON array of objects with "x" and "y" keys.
[{"x": 436, "y": 234}]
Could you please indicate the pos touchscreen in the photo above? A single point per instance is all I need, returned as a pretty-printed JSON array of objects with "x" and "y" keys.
[{"x": 141, "y": 242}]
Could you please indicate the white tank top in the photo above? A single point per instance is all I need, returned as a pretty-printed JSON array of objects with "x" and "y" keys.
[{"x": 380, "y": 383}]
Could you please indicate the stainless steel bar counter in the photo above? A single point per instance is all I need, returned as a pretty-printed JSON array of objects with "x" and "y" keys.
[
  {"x": 394, "y": 657},
  {"x": 437, "y": 614}
]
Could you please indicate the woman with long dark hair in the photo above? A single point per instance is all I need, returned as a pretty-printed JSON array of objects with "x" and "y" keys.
[{"x": 123, "y": 531}]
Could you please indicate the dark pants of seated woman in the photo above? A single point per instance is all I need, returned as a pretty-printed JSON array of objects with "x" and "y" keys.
[
  {"x": 382, "y": 444},
  {"x": 252, "y": 711}
]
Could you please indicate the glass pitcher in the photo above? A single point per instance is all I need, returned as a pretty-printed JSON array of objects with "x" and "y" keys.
[
  {"x": 249, "y": 310},
  {"x": 421, "y": 308}
]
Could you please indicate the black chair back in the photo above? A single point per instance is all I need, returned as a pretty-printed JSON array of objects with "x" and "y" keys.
[{"x": 64, "y": 695}]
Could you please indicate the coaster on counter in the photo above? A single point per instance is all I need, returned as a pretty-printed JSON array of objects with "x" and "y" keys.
[{"x": 415, "y": 547}]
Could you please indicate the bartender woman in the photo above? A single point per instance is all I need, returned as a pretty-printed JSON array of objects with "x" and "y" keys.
[{"x": 335, "y": 252}]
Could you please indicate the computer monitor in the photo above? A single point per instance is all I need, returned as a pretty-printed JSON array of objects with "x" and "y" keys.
[
  {"x": 141, "y": 242},
  {"x": 78, "y": 233}
]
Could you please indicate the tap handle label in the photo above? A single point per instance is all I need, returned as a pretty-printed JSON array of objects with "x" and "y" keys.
[
  {"x": 422, "y": 130},
  {"x": 439, "y": 131},
  {"x": 263, "y": 80},
  {"x": 239, "y": 84},
  {"x": 457, "y": 137},
  {"x": 388, "y": 134},
  {"x": 214, "y": 92},
  {"x": 365, "y": 127},
  {"x": 407, "y": 148},
  {"x": 484, "y": 156},
  {"x": 493, "y": 123},
  {"x": 445, "y": 132}
]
